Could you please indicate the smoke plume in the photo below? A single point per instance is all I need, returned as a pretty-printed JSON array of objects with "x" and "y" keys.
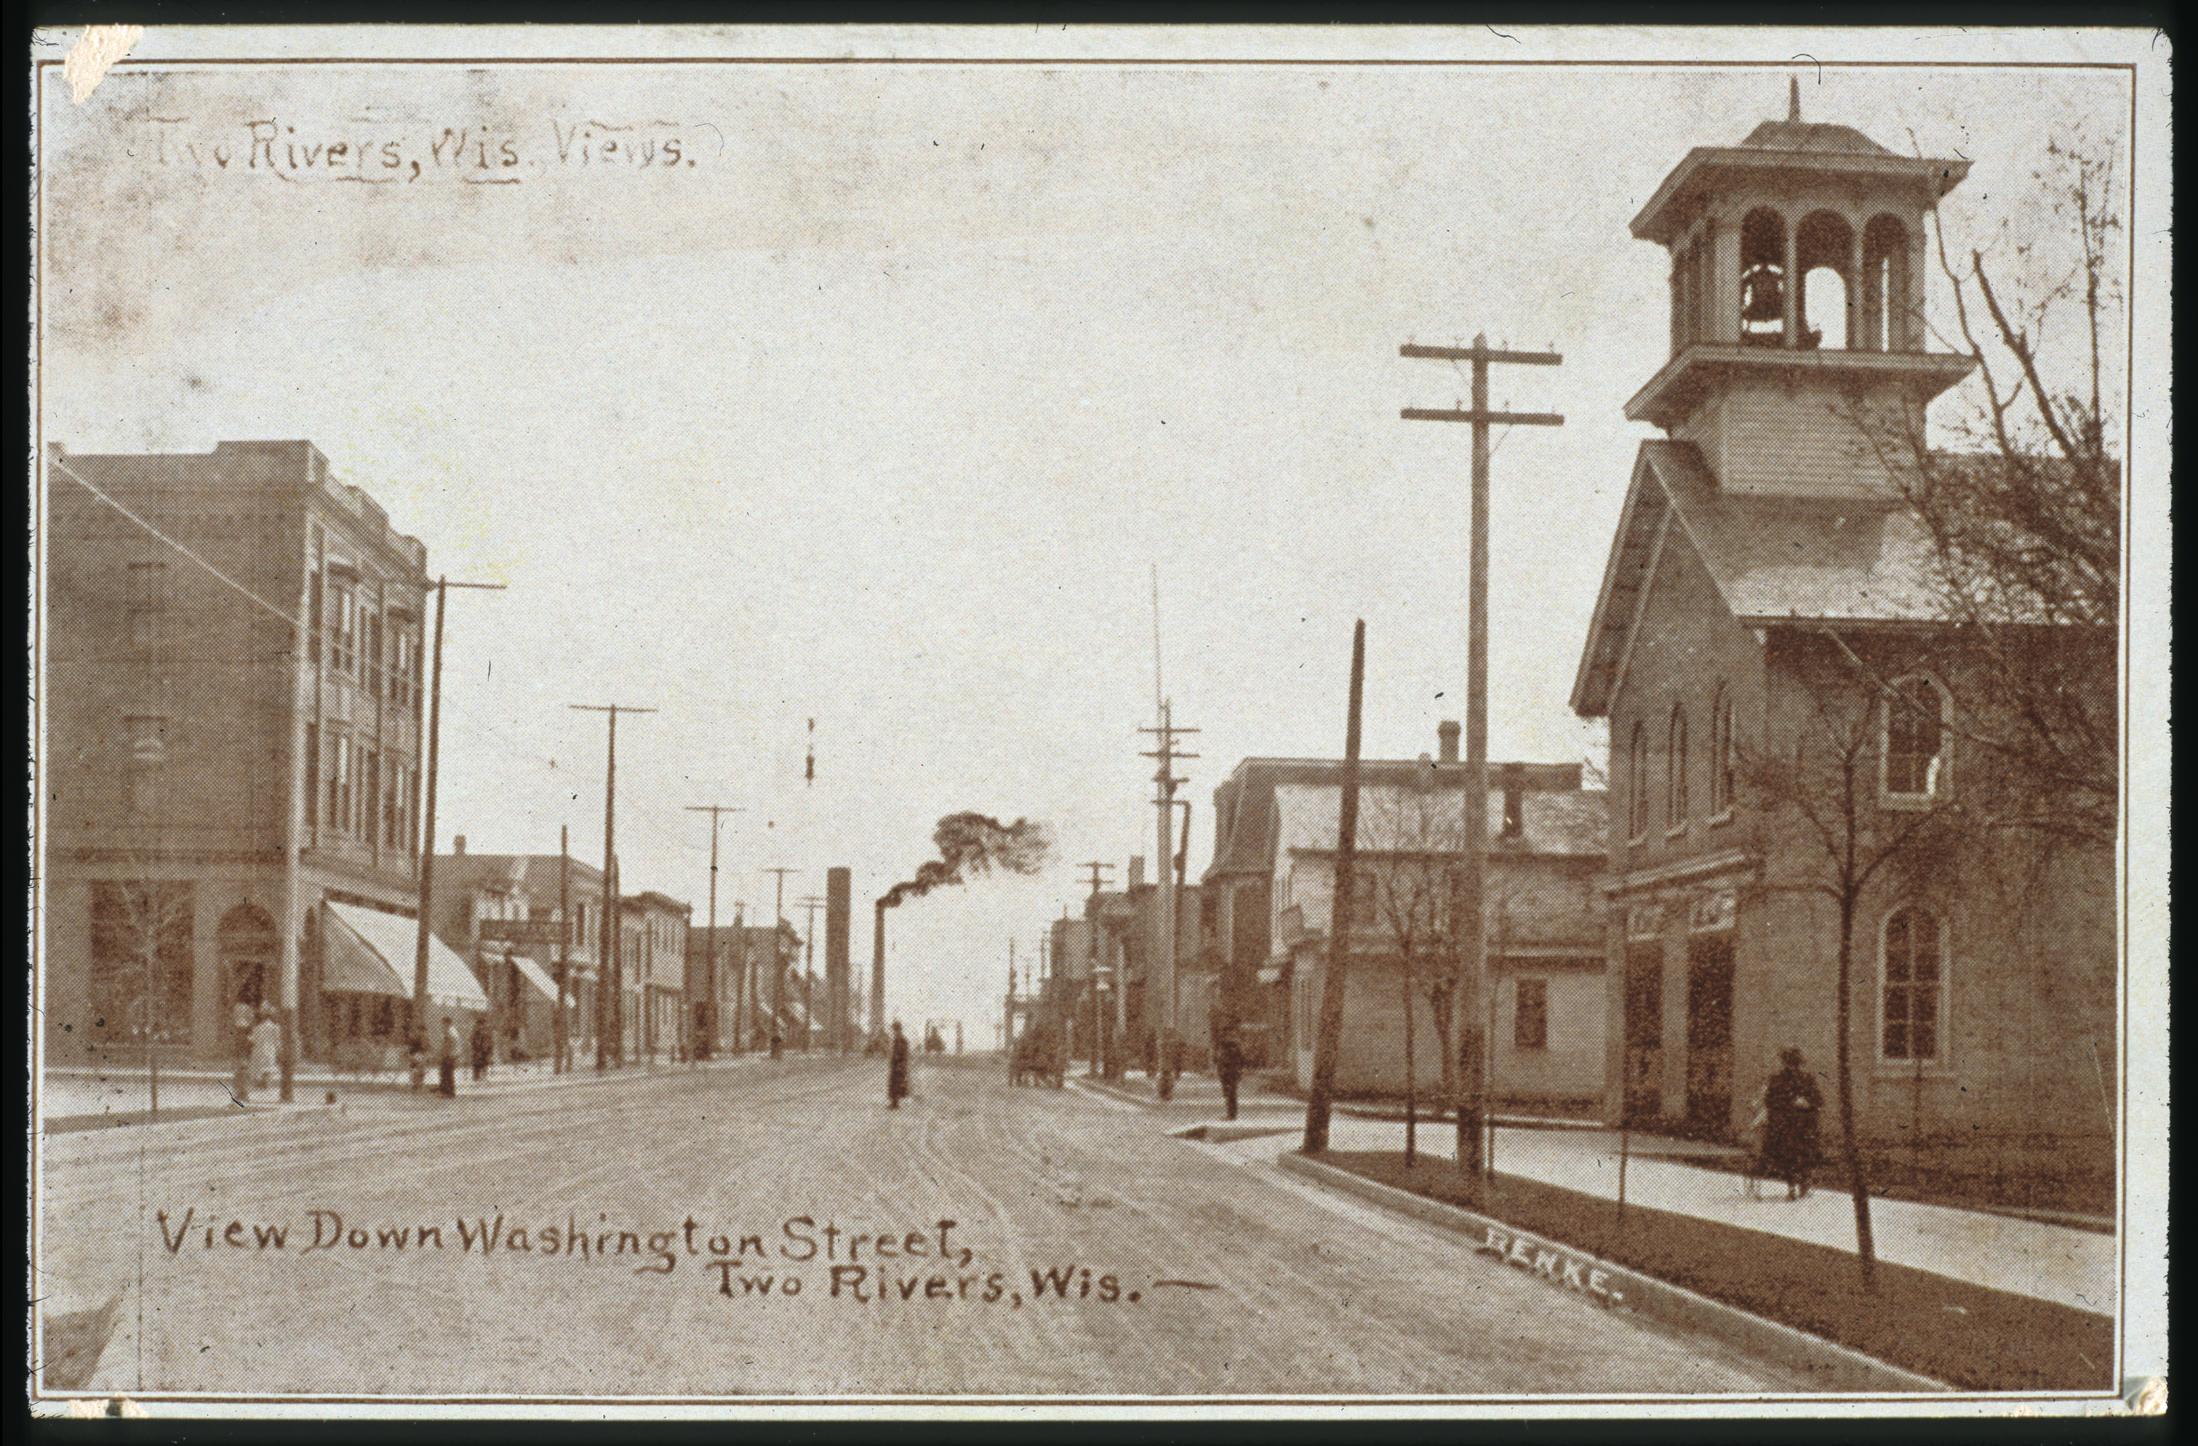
[{"x": 970, "y": 845}]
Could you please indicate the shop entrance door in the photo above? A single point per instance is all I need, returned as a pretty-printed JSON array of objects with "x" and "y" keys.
[
  {"x": 1709, "y": 1032},
  {"x": 1644, "y": 1026}
]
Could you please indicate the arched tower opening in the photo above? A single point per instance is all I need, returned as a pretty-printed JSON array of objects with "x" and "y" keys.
[
  {"x": 1763, "y": 277},
  {"x": 1885, "y": 286},
  {"x": 1825, "y": 258}
]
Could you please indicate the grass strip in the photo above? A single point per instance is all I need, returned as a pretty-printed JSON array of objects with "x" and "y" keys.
[{"x": 1967, "y": 1335}]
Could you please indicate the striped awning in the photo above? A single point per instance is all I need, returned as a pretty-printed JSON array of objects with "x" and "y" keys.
[{"x": 370, "y": 952}]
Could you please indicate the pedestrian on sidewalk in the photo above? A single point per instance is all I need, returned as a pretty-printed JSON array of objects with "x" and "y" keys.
[
  {"x": 896, "y": 1069},
  {"x": 482, "y": 1046},
  {"x": 1228, "y": 1064},
  {"x": 241, "y": 1019},
  {"x": 1792, "y": 1106},
  {"x": 266, "y": 1046},
  {"x": 446, "y": 1080}
]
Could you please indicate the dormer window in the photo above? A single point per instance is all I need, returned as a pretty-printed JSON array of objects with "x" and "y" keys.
[{"x": 1914, "y": 728}]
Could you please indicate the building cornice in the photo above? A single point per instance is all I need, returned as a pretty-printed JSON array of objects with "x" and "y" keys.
[{"x": 1682, "y": 871}]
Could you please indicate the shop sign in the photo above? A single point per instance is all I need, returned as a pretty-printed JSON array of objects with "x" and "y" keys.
[{"x": 1712, "y": 912}]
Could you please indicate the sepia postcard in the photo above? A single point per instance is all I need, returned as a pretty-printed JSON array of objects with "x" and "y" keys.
[{"x": 1327, "y": 721}]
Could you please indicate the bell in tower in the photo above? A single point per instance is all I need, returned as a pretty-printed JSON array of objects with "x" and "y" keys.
[{"x": 1797, "y": 302}]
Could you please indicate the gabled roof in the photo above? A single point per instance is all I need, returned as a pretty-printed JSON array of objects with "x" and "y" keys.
[
  {"x": 1247, "y": 846},
  {"x": 1575, "y": 822},
  {"x": 1773, "y": 559},
  {"x": 534, "y": 873}
]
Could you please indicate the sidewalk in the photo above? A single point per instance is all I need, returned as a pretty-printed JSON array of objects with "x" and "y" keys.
[
  {"x": 74, "y": 1097},
  {"x": 2055, "y": 1263}
]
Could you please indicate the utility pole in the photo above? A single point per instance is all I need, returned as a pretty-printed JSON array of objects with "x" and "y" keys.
[
  {"x": 809, "y": 969},
  {"x": 778, "y": 964},
  {"x": 443, "y": 585},
  {"x": 561, "y": 1039},
  {"x": 610, "y": 1011},
  {"x": 1161, "y": 987},
  {"x": 709, "y": 971},
  {"x": 744, "y": 1001},
  {"x": 1099, "y": 870},
  {"x": 1328, "y": 1043},
  {"x": 1473, "y": 1080}
]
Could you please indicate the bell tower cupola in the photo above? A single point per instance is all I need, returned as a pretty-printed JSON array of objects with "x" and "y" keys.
[{"x": 1797, "y": 304}]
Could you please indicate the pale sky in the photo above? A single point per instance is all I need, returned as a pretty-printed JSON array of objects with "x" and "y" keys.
[{"x": 883, "y": 409}]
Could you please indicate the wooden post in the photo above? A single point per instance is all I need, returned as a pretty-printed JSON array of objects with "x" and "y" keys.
[
  {"x": 1328, "y": 1043},
  {"x": 610, "y": 1033},
  {"x": 1473, "y": 986}
]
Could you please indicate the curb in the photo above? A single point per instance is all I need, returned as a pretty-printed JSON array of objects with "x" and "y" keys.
[{"x": 1833, "y": 1367}]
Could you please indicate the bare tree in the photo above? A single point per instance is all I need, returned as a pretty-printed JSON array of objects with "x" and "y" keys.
[
  {"x": 1417, "y": 839},
  {"x": 2022, "y": 513},
  {"x": 1820, "y": 782}
]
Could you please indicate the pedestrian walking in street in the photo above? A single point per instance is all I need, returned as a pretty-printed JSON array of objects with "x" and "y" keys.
[
  {"x": 1228, "y": 1064},
  {"x": 896, "y": 1069},
  {"x": 446, "y": 1081},
  {"x": 482, "y": 1047},
  {"x": 266, "y": 1046},
  {"x": 778, "y": 1042},
  {"x": 1792, "y": 1106}
]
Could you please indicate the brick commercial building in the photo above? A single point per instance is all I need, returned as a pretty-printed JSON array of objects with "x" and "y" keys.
[
  {"x": 210, "y": 774},
  {"x": 501, "y": 911},
  {"x": 744, "y": 978},
  {"x": 1544, "y": 1005},
  {"x": 652, "y": 970},
  {"x": 1769, "y": 601}
]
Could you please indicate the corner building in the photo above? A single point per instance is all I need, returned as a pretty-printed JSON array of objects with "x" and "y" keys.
[{"x": 190, "y": 735}]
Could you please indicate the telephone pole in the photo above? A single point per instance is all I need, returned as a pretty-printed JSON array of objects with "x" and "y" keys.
[
  {"x": 610, "y": 1004},
  {"x": 561, "y": 1039},
  {"x": 443, "y": 585},
  {"x": 809, "y": 968},
  {"x": 1099, "y": 1019},
  {"x": 1473, "y": 1112},
  {"x": 1161, "y": 987},
  {"x": 708, "y": 1040},
  {"x": 778, "y": 964}
]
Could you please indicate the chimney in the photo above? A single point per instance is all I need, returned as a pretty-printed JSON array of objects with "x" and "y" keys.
[
  {"x": 1514, "y": 801},
  {"x": 1137, "y": 872},
  {"x": 1447, "y": 732},
  {"x": 458, "y": 844}
]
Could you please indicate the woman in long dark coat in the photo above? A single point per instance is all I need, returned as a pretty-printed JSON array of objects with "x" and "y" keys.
[
  {"x": 1792, "y": 1105},
  {"x": 896, "y": 1069}
]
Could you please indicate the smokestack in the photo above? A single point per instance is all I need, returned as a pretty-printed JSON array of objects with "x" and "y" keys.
[
  {"x": 877, "y": 975},
  {"x": 838, "y": 884},
  {"x": 1447, "y": 732},
  {"x": 1514, "y": 801},
  {"x": 458, "y": 844},
  {"x": 1137, "y": 872}
]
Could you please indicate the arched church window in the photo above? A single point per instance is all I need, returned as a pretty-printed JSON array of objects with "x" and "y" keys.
[{"x": 1763, "y": 277}]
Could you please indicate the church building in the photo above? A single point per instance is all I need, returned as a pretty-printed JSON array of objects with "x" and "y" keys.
[{"x": 1768, "y": 603}]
